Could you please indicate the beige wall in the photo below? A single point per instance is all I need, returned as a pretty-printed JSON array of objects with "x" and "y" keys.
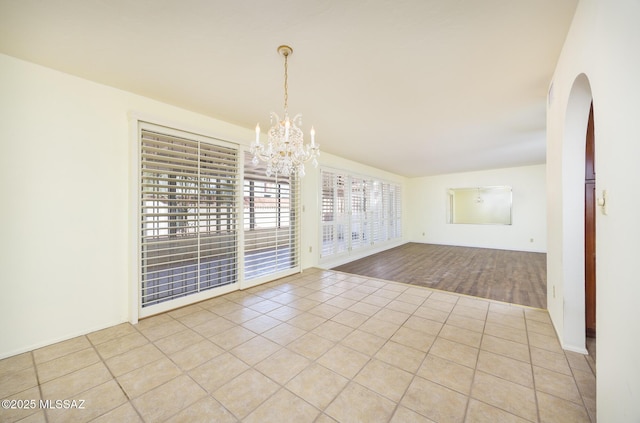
[
  {"x": 428, "y": 212},
  {"x": 65, "y": 163},
  {"x": 68, "y": 243},
  {"x": 64, "y": 183},
  {"x": 600, "y": 59}
]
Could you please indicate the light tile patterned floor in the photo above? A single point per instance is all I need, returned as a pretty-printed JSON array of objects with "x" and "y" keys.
[{"x": 321, "y": 346}]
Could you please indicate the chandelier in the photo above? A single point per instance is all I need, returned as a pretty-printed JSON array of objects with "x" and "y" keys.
[{"x": 285, "y": 152}]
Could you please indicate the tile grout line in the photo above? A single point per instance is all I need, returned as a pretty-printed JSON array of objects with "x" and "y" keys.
[
  {"x": 397, "y": 403},
  {"x": 165, "y": 355},
  {"x": 35, "y": 370},
  {"x": 573, "y": 375},
  {"x": 415, "y": 374},
  {"x": 114, "y": 378},
  {"x": 533, "y": 375},
  {"x": 564, "y": 354},
  {"x": 530, "y": 363},
  {"x": 371, "y": 357},
  {"x": 475, "y": 368},
  {"x": 368, "y": 360},
  {"x": 282, "y": 347},
  {"x": 186, "y": 373}
]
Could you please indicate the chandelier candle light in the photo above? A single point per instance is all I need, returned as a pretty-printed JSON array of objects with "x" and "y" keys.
[{"x": 285, "y": 152}]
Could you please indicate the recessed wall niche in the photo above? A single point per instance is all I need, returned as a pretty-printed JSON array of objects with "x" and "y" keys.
[{"x": 489, "y": 205}]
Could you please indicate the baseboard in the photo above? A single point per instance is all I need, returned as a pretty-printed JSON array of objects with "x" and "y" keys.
[{"x": 575, "y": 349}]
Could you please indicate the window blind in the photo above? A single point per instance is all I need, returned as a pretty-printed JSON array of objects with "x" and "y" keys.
[
  {"x": 270, "y": 215},
  {"x": 189, "y": 216}
]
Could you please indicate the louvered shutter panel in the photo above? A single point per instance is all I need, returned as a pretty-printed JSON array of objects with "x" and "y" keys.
[
  {"x": 271, "y": 227},
  {"x": 188, "y": 213}
]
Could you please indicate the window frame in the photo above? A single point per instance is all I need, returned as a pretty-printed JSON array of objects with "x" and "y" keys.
[
  {"x": 138, "y": 122},
  {"x": 138, "y": 225}
]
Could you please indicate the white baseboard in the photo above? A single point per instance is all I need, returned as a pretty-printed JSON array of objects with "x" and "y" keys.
[{"x": 580, "y": 350}]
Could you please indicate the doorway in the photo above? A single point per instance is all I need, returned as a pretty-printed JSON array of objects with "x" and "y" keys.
[
  {"x": 590, "y": 231},
  {"x": 571, "y": 269}
]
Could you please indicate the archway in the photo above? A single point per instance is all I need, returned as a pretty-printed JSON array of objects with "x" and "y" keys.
[
  {"x": 573, "y": 208},
  {"x": 590, "y": 231}
]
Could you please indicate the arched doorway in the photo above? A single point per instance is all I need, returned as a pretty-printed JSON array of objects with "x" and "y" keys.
[
  {"x": 573, "y": 213},
  {"x": 590, "y": 232}
]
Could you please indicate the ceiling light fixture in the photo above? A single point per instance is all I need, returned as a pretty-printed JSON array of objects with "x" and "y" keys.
[{"x": 285, "y": 152}]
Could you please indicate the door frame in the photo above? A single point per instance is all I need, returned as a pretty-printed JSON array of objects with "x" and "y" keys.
[{"x": 590, "y": 230}]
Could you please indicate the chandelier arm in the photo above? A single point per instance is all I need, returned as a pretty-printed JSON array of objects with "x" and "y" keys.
[{"x": 262, "y": 156}]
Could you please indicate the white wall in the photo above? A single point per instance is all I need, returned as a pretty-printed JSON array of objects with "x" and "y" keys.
[
  {"x": 64, "y": 184},
  {"x": 428, "y": 211},
  {"x": 600, "y": 58}
]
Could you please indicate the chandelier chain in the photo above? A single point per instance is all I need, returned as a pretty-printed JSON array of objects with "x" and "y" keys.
[{"x": 286, "y": 82}]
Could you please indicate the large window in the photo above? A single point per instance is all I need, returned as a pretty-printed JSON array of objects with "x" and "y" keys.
[
  {"x": 358, "y": 212},
  {"x": 194, "y": 209},
  {"x": 188, "y": 214},
  {"x": 271, "y": 235}
]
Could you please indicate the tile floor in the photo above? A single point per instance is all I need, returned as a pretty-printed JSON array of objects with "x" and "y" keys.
[{"x": 321, "y": 346}]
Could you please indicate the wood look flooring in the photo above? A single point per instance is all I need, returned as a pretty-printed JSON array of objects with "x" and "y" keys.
[{"x": 516, "y": 277}]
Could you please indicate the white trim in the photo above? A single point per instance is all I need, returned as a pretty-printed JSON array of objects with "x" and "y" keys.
[
  {"x": 333, "y": 261},
  {"x": 138, "y": 125},
  {"x": 269, "y": 278},
  {"x": 188, "y": 300},
  {"x": 55, "y": 340},
  {"x": 578, "y": 350},
  {"x": 184, "y": 127},
  {"x": 134, "y": 218}
]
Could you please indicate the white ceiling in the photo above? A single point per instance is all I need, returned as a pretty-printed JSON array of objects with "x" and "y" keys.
[{"x": 414, "y": 87}]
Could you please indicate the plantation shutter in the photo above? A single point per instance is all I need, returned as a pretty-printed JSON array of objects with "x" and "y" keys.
[
  {"x": 335, "y": 219},
  {"x": 384, "y": 212},
  {"x": 328, "y": 212},
  {"x": 359, "y": 222},
  {"x": 271, "y": 229},
  {"x": 358, "y": 212},
  {"x": 375, "y": 198},
  {"x": 189, "y": 215},
  {"x": 395, "y": 212}
]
